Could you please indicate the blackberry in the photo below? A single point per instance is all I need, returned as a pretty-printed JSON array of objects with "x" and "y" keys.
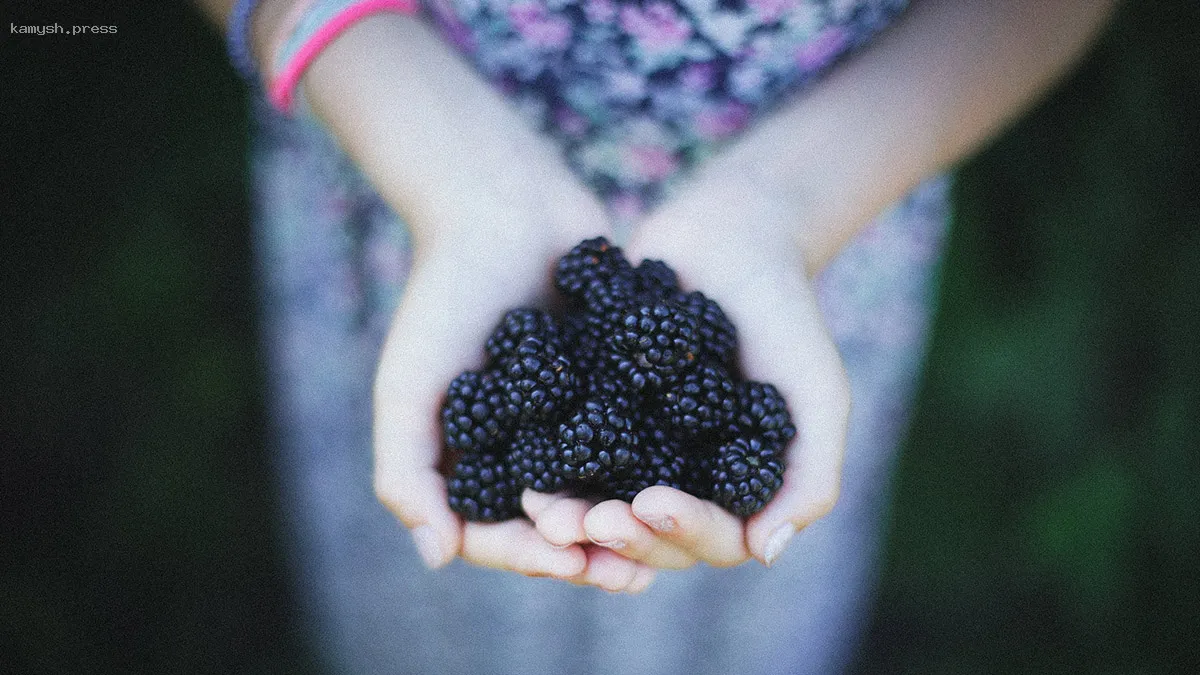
[
  {"x": 597, "y": 441},
  {"x": 697, "y": 476},
  {"x": 746, "y": 474},
  {"x": 538, "y": 385},
  {"x": 762, "y": 412},
  {"x": 584, "y": 341},
  {"x": 656, "y": 279},
  {"x": 603, "y": 385},
  {"x": 533, "y": 461},
  {"x": 665, "y": 464},
  {"x": 587, "y": 330},
  {"x": 627, "y": 486},
  {"x": 703, "y": 401},
  {"x": 475, "y": 416},
  {"x": 482, "y": 490},
  {"x": 656, "y": 429},
  {"x": 592, "y": 260},
  {"x": 605, "y": 302},
  {"x": 519, "y": 324},
  {"x": 661, "y": 463},
  {"x": 635, "y": 386},
  {"x": 717, "y": 334},
  {"x": 653, "y": 343}
]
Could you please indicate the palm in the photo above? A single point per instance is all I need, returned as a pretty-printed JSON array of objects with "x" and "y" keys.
[{"x": 741, "y": 253}]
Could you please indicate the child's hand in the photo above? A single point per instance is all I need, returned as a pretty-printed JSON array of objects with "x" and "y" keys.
[
  {"x": 738, "y": 244},
  {"x": 490, "y": 206},
  {"x": 462, "y": 282}
]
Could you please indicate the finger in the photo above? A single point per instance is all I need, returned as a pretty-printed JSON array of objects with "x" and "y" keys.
[
  {"x": 425, "y": 349},
  {"x": 695, "y": 526},
  {"x": 612, "y": 525},
  {"x": 792, "y": 348},
  {"x": 515, "y": 546},
  {"x": 642, "y": 580},
  {"x": 418, "y": 499},
  {"x": 419, "y": 358},
  {"x": 558, "y": 518},
  {"x": 764, "y": 291},
  {"x": 607, "y": 570}
]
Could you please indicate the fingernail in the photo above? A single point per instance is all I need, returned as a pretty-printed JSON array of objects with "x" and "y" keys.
[
  {"x": 777, "y": 542},
  {"x": 428, "y": 547},
  {"x": 561, "y": 547},
  {"x": 660, "y": 523}
]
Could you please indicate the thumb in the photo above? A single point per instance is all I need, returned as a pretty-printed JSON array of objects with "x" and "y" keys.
[{"x": 786, "y": 343}]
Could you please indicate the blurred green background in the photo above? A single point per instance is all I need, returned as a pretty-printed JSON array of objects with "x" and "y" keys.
[{"x": 1047, "y": 511}]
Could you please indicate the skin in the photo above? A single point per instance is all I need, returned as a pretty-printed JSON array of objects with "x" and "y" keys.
[{"x": 491, "y": 206}]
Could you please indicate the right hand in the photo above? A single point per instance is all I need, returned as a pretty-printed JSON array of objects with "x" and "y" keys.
[{"x": 491, "y": 206}]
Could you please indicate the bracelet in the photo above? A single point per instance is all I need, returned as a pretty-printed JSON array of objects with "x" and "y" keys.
[
  {"x": 238, "y": 39},
  {"x": 308, "y": 29}
]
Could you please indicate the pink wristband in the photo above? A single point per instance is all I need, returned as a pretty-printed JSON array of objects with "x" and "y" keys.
[{"x": 309, "y": 33}]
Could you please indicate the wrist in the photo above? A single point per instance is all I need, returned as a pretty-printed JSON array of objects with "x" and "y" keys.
[{"x": 744, "y": 196}]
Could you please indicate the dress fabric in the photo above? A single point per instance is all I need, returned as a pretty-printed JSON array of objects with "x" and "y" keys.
[{"x": 333, "y": 262}]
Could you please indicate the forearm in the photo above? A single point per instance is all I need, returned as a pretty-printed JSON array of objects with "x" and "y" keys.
[
  {"x": 440, "y": 143},
  {"x": 926, "y": 94}
]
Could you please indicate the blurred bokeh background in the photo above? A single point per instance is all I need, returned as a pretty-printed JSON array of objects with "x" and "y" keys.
[{"x": 1047, "y": 506}]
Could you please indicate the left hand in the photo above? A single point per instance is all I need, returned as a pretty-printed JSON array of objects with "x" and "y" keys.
[{"x": 737, "y": 241}]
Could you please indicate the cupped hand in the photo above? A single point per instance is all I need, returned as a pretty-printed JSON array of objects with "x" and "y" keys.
[
  {"x": 460, "y": 285},
  {"x": 489, "y": 214},
  {"x": 741, "y": 245}
]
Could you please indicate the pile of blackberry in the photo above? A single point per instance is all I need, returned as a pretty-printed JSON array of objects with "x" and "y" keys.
[{"x": 635, "y": 384}]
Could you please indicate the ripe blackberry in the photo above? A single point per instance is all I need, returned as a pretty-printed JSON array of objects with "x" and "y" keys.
[
  {"x": 697, "y": 476},
  {"x": 662, "y": 462},
  {"x": 537, "y": 385},
  {"x": 481, "y": 489},
  {"x": 746, "y": 474},
  {"x": 475, "y": 416},
  {"x": 592, "y": 260},
  {"x": 627, "y": 485},
  {"x": 519, "y": 324},
  {"x": 717, "y": 334},
  {"x": 597, "y": 441},
  {"x": 605, "y": 302},
  {"x": 666, "y": 465},
  {"x": 586, "y": 331},
  {"x": 703, "y": 401},
  {"x": 653, "y": 343},
  {"x": 656, "y": 429},
  {"x": 533, "y": 462},
  {"x": 584, "y": 342},
  {"x": 603, "y": 385},
  {"x": 656, "y": 279},
  {"x": 762, "y": 412}
]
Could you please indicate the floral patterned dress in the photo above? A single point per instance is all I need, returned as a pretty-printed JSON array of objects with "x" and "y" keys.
[{"x": 636, "y": 91}]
